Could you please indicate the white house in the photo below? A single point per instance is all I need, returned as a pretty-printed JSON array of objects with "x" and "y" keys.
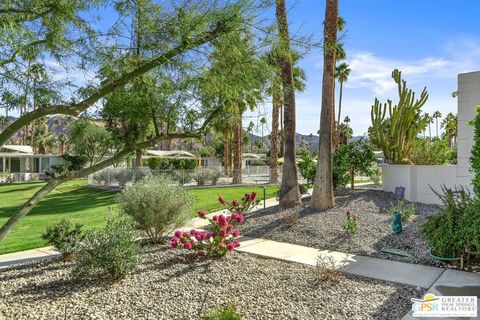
[{"x": 23, "y": 164}]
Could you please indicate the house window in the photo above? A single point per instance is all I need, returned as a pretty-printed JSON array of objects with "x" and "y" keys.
[
  {"x": 15, "y": 165},
  {"x": 45, "y": 164}
]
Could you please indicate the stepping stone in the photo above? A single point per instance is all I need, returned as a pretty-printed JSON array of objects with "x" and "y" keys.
[
  {"x": 398, "y": 252},
  {"x": 400, "y": 272}
]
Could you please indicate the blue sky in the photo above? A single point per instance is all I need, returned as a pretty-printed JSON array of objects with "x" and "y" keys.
[{"x": 430, "y": 41}]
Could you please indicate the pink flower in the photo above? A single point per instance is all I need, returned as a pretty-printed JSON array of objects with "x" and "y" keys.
[
  {"x": 236, "y": 233},
  {"x": 240, "y": 218},
  {"x": 223, "y": 233},
  {"x": 209, "y": 235},
  {"x": 201, "y": 213},
  {"x": 174, "y": 243},
  {"x": 222, "y": 221},
  {"x": 198, "y": 236},
  {"x": 192, "y": 232},
  {"x": 236, "y": 244},
  {"x": 235, "y": 203},
  {"x": 230, "y": 247},
  {"x": 188, "y": 245},
  {"x": 253, "y": 196},
  {"x": 222, "y": 200},
  {"x": 178, "y": 234},
  {"x": 234, "y": 216},
  {"x": 215, "y": 218},
  {"x": 185, "y": 234}
]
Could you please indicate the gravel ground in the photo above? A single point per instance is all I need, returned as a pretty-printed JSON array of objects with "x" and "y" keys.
[
  {"x": 324, "y": 230},
  {"x": 166, "y": 287}
]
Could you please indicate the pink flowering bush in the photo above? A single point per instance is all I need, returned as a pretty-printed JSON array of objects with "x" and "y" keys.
[
  {"x": 217, "y": 242},
  {"x": 223, "y": 230},
  {"x": 247, "y": 203}
]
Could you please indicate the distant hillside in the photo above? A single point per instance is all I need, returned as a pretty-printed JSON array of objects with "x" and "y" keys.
[{"x": 301, "y": 139}]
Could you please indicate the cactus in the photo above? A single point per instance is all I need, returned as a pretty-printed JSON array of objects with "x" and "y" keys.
[{"x": 396, "y": 133}]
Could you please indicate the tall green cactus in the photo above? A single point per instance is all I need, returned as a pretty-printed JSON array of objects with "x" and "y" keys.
[{"x": 396, "y": 133}]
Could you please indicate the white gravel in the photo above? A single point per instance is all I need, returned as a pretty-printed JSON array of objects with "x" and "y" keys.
[
  {"x": 166, "y": 287},
  {"x": 324, "y": 229}
]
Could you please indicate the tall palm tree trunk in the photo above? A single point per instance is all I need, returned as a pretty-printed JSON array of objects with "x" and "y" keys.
[
  {"x": 340, "y": 103},
  {"x": 237, "y": 154},
  {"x": 282, "y": 137},
  {"x": 273, "y": 162},
  {"x": 289, "y": 192},
  {"x": 322, "y": 196},
  {"x": 226, "y": 159}
]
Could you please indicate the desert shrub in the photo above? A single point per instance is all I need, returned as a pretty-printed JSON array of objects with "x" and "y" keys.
[
  {"x": 123, "y": 177},
  {"x": 181, "y": 176},
  {"x": 430, "y": 152},
  {"x": 110, "y": 252},
  {"x": 102, "y": 177},
  {"x": 201, "y": 177},
  {"x": 327, "y": 270},
  {"x": 307, "y": 167},
  {"x": 65, "y": 236},
  {"x": 405, "y": 209},
  {"x": 447, "y": 232},
  {"x": 350, "y": 225},
  {"x": 214, "y": 175},
  {"x": 228, "y": 313},
  {"x": 156, "y": 204}
]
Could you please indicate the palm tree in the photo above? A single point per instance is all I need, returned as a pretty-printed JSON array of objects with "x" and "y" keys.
[
  {"x": 437, "y": 115},
  {"x": 342, "y": 71},
  {"x": 62, "y": 143},
  {"x": 289, "y": 191},
  {"x": 263, "y": 122},
  {"x": 430, "y": 121},
  {"x": 322, "y": 196},
  {"x": 44, "y": 139},
  {"x": 450, "y": 126},
  {"x": 250, "y": 127}
]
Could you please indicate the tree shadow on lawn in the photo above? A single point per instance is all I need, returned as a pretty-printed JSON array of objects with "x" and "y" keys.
[
  {"x": 82, "y": 199},
  {"x": 20, "y": 188}
]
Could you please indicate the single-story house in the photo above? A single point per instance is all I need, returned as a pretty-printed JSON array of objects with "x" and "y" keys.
[{"x": 21, "y": 162}]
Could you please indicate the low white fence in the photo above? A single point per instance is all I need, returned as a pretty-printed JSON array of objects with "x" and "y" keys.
[
  {"x": 419, "y": 180},
  {"x": 198, "y": 177}
]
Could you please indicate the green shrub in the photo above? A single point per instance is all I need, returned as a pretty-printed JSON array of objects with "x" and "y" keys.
[
  {"x": 307, "y": 167},
  {"x": 228, "y": 313},
  {"x": 340, "y": 170},
  {"x": 304, "y": 188},
  {"x": 111, "y": 252},
  {"x": 376, "y": 174},
  {"x": 475, "y": 157},
  {"x": 430, "y": 152},
  {"x": 158, "y": 163},
  {"x": 156, "y": 204},
  {"x": 447, "y": 231},
  {"x": 406, "y": 210},
  {"x": 65, "y": 236}
]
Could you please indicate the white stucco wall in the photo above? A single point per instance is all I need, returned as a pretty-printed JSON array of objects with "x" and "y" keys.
[{"x": 418, "y": 179}]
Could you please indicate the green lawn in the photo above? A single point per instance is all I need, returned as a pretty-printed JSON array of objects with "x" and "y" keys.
[{"x": 79, "y": 203}]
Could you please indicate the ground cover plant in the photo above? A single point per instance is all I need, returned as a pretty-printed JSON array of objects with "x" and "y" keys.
[{"x": 88, "y": 206}]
